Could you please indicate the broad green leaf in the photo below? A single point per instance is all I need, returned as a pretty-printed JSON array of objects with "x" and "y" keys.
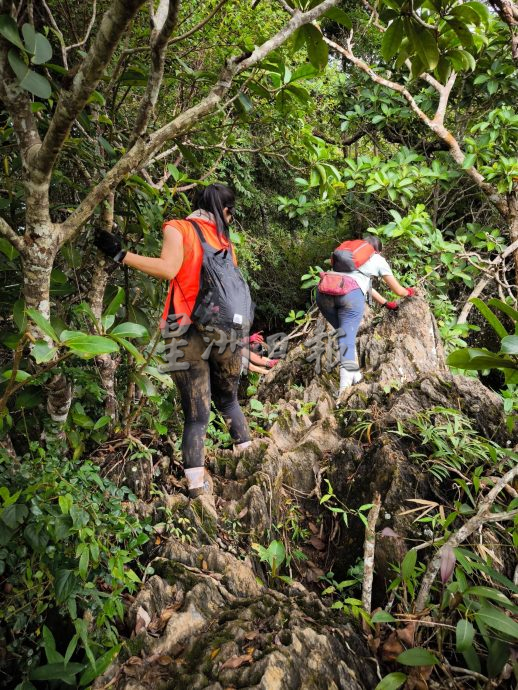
[
  {"x": 129, "y": 347},
  {"x": 509, "y": 345},
  {"x": 164, "y": 379},
  {"x": 101, "y": 664},
  {"x": 29, "y": 80},
  {"x": 9, "y": 30},
  {"x": 408, "y": 564},
  {"x": 19, "y": 377},
  {"x": 417, "y": 657},
  {"x": 498, "y": 655},
  {"x": 7, "y": 249},
  {"x": 42, "y": 323},
  {"x": 65, "y": 503},
  {"x": 245, "y": 103},
  {"x": 392, "y": 39},
  {"x": 490, "y": 317},
  {"x": 318, "y": 52},
  {"x": 382, "y": 617},
  {"x": 57, "y": 671},
  {"x": 84, "y": 562},
  {"x": 130, "y": 330},
  {"x": 256, "y": 405},
  {"x": 64, "y": 584},
  {"x": 42, "y": 51},
  {"x": 489, "y": 593},
  {"x": 505, "y": 308},
  {"x": 339, "y": 16},
  {"x": 29, "y": 38},
  {"x": 391, "y": 682},
  {"x": 304, "y": 71},
  {"x": 144, "y": 384},
  {"x": 464, "y": 635},
  {"x": 103, "y": 421},
  {"x": 113, "y": 307},
  {"x": 14, "y": 515},
  {"x": 49, "y": 644},
  {"x": 427, "y": 48},
  {"x": 497, "y": 620},
  {"x": 87, "y": 346},
  {"x": 43, "y": 352}
]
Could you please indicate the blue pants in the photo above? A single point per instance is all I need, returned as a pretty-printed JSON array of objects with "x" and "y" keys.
[{"x": 345, "y": 312}]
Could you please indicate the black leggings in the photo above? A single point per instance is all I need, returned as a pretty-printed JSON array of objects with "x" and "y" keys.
[{"x": 216, "y": 376}]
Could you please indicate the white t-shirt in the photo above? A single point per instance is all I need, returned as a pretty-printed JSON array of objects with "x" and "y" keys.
[{"x": 375, "y": 267}]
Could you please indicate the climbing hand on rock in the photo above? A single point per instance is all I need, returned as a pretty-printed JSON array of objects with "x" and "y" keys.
[{"x": 109, "y": 244}]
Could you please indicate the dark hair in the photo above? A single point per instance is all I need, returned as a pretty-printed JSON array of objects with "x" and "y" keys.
[
  {"x": 214, "y": 198},
  {"x": 374, "y": 241}
]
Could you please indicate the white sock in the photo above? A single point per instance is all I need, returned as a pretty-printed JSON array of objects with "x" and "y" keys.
[
  {"x": 195, "y": 477},
  {"x": 349, "y": 376}
]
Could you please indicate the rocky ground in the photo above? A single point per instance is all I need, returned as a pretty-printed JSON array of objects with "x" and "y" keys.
[{"x": 210, "y": 617}]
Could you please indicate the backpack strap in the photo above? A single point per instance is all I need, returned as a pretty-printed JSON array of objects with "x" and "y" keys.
[
  {"x": 199, "y": 232},
  {"x": 204, "y": 242}
]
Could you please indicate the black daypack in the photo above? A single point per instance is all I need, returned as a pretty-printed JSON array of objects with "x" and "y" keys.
[{"x": 224, "y": 300}]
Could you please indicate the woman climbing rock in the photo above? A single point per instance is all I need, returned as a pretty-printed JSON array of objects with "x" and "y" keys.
[
  {"x": 342, "y": 294},
  {"x": 206, "y": 317}
]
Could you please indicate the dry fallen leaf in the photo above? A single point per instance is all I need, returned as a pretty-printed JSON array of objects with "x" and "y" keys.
[
  {"x": 407, "y": 633},
  {"x": 204, "y": 565},
  {"x": 143, "y": 620},
  {"x": 391, "y": 648},
  {"x": 215, "y": 652},
  {"x": 251, "y": 635},
  {"x": 313, "y": 527},
  {"x": 164, "y": 660},
  {"x": 242, "y": 514},
  {"x": 317, "y": 543},
  {"x": 237, "y": 661}
]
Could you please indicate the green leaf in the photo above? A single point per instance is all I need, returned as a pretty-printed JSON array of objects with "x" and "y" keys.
[
  {"x": 59, "y": 671},
  {"x": 87, "y": 346},
  {"x": 497, "y": 620},
  {"x": 9, "y": 30},
  {"x": 339, "y": 16},
  {"x": 392, "y": 39},
  {"x": 101, "y": 665},
  {"x": 144, "y": 384},
  {"x": 464, "y": 635},
  {"x": 382, "y": 617},
  {"x": 505, "y": 308},
  {"x": 391, "y": 682},
  {"x": 43, "y": 352},
  {"x": 408, "y": 564},
  {"x": 20, "y": 375},
  {"x": 64, "y": 584},
  {"x": 84, "y": 561},
  {"x": 42, "y": 323},
  {"x": 130, "y": 330},
  {"x": 14, "y": 515},
  {"x": 490, "y": 317},
  {"x": 112, "y": 153},
  {"x": 245, "y": 103},
  {"x": 318, "y": 52},
  {"x": 49, "y": 644},
  {"x": 427, "y": 48},
  {"x": 256, "y": 405},
  {"x": 127, "y": 345},
  {"x": 509, "y": 345},
  {"x": 489, "y": 593},
  {"x": 65, "y": 503},
  {"x": 7, "y": 249},
  {"x": 29, "y": 80},
  {"x": 42, "y": 50},
  {"x": 417, "y": 657},
  {"x": 113, "y": 307},
  {"x": 497, "y": 657}
]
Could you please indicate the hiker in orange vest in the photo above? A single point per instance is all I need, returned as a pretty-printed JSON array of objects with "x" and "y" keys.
[
  {"x": 342, "y": 293},
  {"x": 206, "y": 317}
]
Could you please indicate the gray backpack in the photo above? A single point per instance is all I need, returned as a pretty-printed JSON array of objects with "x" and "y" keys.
[{"x": 224, "y": 300}]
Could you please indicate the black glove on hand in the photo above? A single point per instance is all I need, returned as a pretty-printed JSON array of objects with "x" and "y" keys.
[{"x": 110, "y": 244}]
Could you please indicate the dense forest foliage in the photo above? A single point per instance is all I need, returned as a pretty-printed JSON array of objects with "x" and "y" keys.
[{"x": 329, "y": 119}]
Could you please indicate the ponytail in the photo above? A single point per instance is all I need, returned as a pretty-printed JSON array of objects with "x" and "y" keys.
[
  {"x": 214, "y": 198},
  {"x": 374, "y": 242}
]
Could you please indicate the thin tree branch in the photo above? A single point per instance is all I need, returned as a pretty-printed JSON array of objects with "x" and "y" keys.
[
  {"x": 163, "y": 23},
  {"x": 9, "y": 234},
  {"x": 481, "y": 285},
  {"x": 145, "y": 149},
  {"x": 58, "y": 33},
  {"x": 113, "y": 25},
  {"x": 200, "y": 25},
  {"x": 88, "y": 30},
  {"x": 482, "y": 515}
]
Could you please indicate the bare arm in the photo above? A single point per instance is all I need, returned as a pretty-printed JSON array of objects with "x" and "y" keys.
[
  {"x": 170, "y": 261},
  {"x": 395, "y": 287},
  {"x": 377, "y": 297}
]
